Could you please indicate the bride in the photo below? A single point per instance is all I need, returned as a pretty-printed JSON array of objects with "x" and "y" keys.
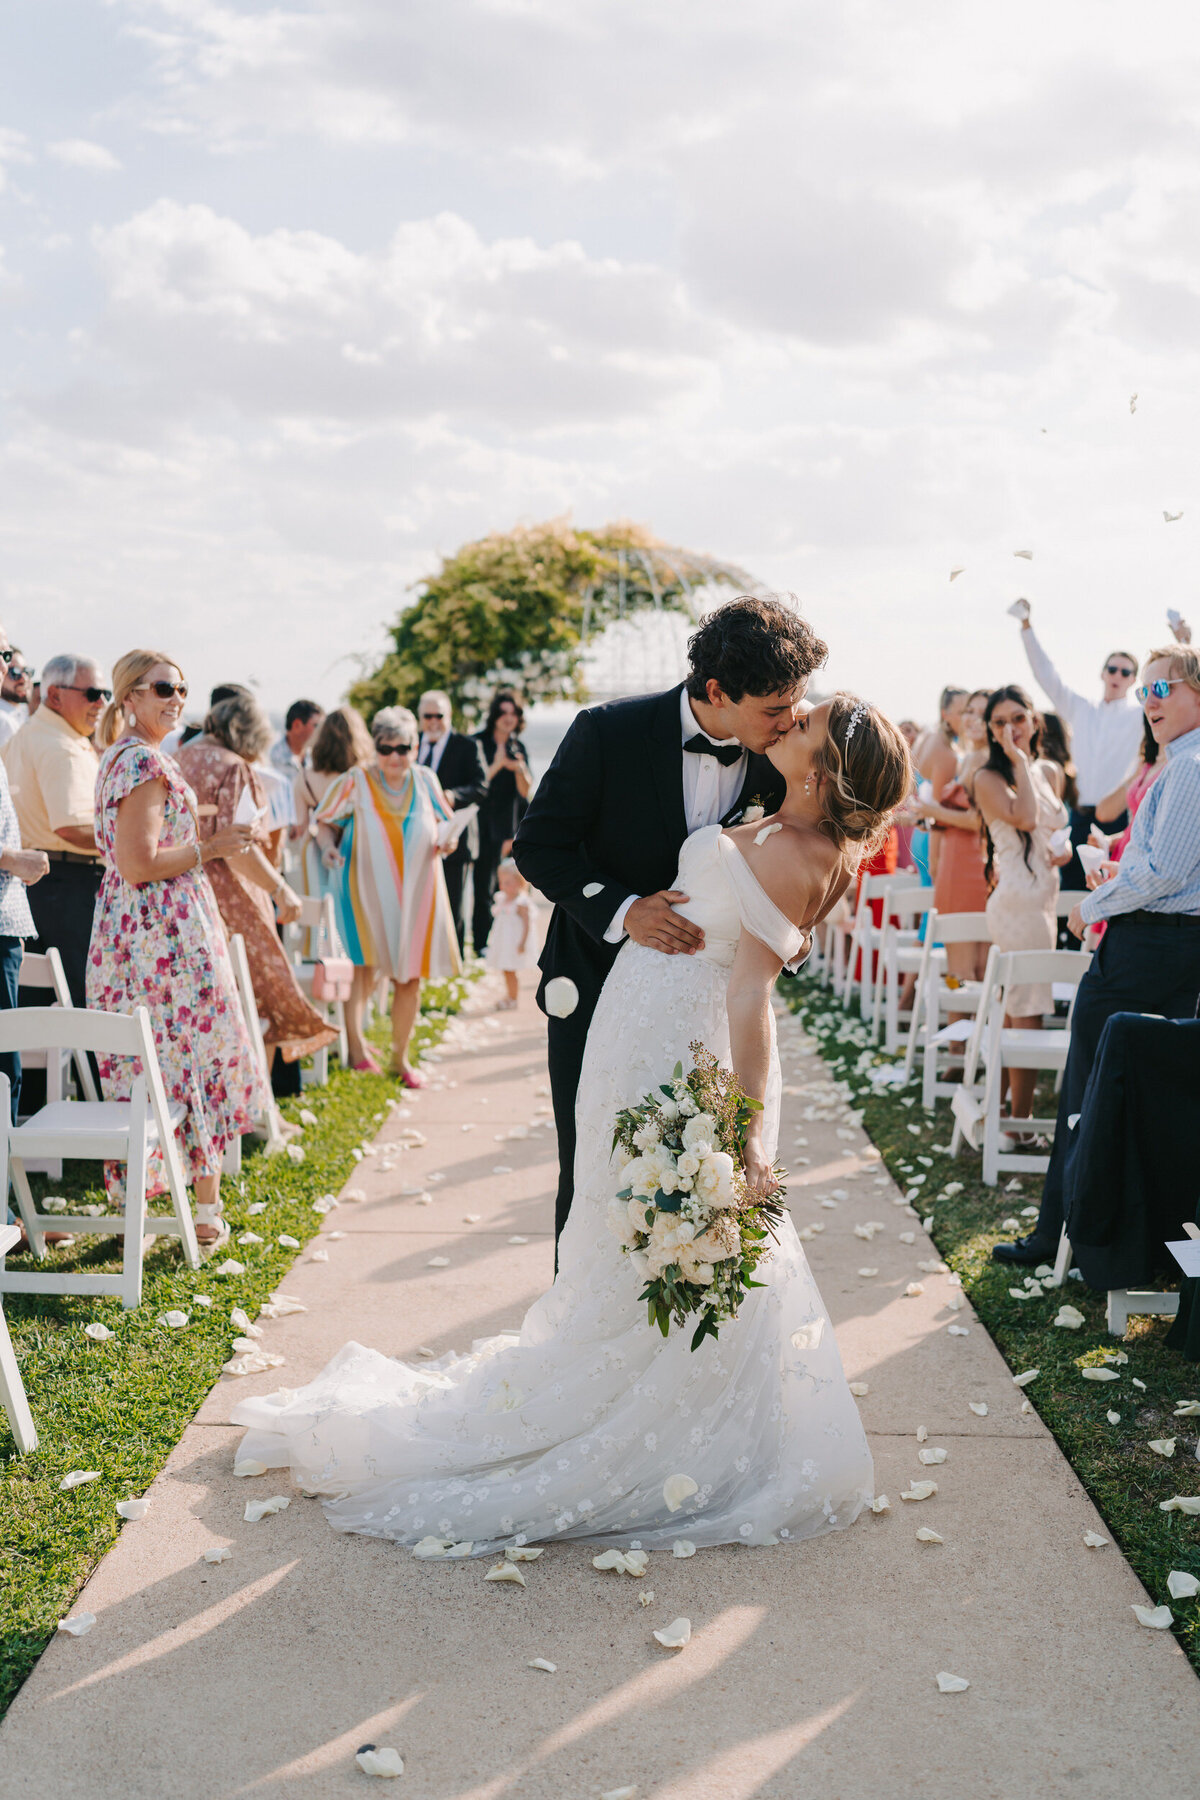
[{"x": 569, "y": 1428}]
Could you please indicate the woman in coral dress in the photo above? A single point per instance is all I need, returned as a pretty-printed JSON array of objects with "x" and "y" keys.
[{"x": 158, "y": 941}]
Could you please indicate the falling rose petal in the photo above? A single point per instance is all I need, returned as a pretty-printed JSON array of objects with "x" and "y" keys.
[
  {"x": 133, "y": 1509},
  {"x": 1182, "y": 1586},
  {"x": 78, "y": 1625},
  {"x": 78, "y": 1477},
  {"x": 386, "y": 1763},
  {"x": 1094, "y": 1541},
  {"x": 951, "y": 1684},
  {"x": 561, "y": 997},
  {"x": 683, "y": 1547},
  {"x": 925, "y": 1536},
  {"x": 677, "y": 1489},
  {"x": 1171, "y": 517},
  {"x": 98, "y": 1333},
  {"x": 1162, "y": 1446},
  {"x": 539, "y": 1662},
  {"x": 1027, "y": 555},
  {"x": 920, "y": 1490},
  {"x": 979, "y": 1408},
  {"x": 218, "y": 1554},
  {"x": 960, "y": 569},
  {"x": 676, "y": 1635},
  {"x": 932, "y": 1456},
  {"x": 506, "y": 1571},
  {"x": 592, "y": 889},
  {"x": 1100, "y": 1374},
  {"x": 1156, "y": 1618},
  {"x": 262, "y": 1509},
  {"x": 1025, "y": 1377},
  {"x": 1133, "y": 403}
]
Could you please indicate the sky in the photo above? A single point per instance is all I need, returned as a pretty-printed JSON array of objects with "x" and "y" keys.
[{"x": 297, "y": 298}]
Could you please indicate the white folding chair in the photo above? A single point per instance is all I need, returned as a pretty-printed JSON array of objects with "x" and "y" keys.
[
  {"x": 312, "y": 937},
  {"x": 272, "y": 1126},
  {"x": 976, "y": 1105},
  {"x": 12, "y": 1388},
  {"x": 45, "y": 974},
  {"x": 866, "y": 939},
  {"x": 97, "y": 1130},
  {"x": 937, "y": 996},
  {"x": 1123, "y": 1303},
  {"x": 902, "y": 955}
]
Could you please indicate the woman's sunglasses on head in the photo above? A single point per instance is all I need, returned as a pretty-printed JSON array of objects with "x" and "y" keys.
[
  {"x": 1160, "y": 689},
  {"x": 394, "y": 749},
  {"x": 164, "y": 689}
]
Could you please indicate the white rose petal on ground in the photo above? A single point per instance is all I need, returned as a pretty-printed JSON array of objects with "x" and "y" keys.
[
  {"x": 979, "y": 1408},
  {"x": 561, "y": 997},
  {"x": 523, "y": 1553},
  {"x": 289, "y": 1243},
  {"x": 622, "y": 1793},
  {"x": 321, "y": 1256},
  {"x": 78, "y": 1477},
  {"x": 867, "y": 1273},
  {"x": 1114, "y": 1418},
  {"x": 933, "y": 1456},
  {"x": 295, "y": 1153},
  {"x": 438, "y": 1262},
  {"x": 218, "y": 1554},
  {"x": 922, "y": 1434},
  {"x": 1155, "y": 1618},
  {"x": 920, "y": 1490},
  {"x": 881, "y": 1504},
  {"x": 1025, "y": 1377},
  {"x": 677, "y": 1489},
  {"x": 913, "y": 1289},
  {"x": 539, "y": 1662},
  {"x": 1100, "y": 1374},
  {"x": 1093, "y": 1540},
  {"x": 1189, "y": 1504},
  {"x": 1187, "y": 1409},
  {"x": 78, "y": 1625},
  {"x": 247, "y": 1466},
  {"x": 959, "y": 1330},
  {"x": 951, "y": 1684},
  {"x": 230, "y": 1267},
  {"x": 431, "y": 1548},
  {"x": 1136, "y": 1382},
  {"x": 676, "y": 1635},
  {"x": 683, "y": 1547},
  {"x": 925, "y": 1536},
  {"x": 133, "y": 1509},
  {"x": 1162, "y": 1446},
  {"x": 262, "y": 1509},
  {"x": 98, "y": 1333},
  {"x": 859, "y": 1389},
  {"x": 506, "y": 1571},
  {"x": 249, "y": 1237},
  {"x": 1182, "y": 1586},
  {"x": 176, "y": 1320},
  {"x": 1070, "y": 1318},
  {"x": 386, "y": 1762},
  {"x": 307, "y": 1117},
  {"x": 355, "y": 1195}
]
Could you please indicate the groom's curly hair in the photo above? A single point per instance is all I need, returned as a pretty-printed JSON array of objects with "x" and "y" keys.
[{"x": 753, "y": 645}]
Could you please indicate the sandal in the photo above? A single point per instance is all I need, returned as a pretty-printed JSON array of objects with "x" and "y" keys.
[
  {"x": 368, "y": 1065},
  {"x": 412, "y": 1078},
  {"x": 212, "y": 1230}
]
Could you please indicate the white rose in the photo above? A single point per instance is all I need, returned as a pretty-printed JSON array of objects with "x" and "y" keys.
[
  {"x": 640, "y": 1261},
  {"x": 711, "y": 1247},
  {"x": 687, "y": 1106},
  {"x": 688, "y": 1163},
  {"x": 693, "y": 1267},
  {"x": 620, "y": 1223},
  {"x": 752, "y": 813},
  {"x": 715, "y": 1181},
  {"x": 668, "y": 1109},
  {"x": 647, "y": 1135},
  {"x": 621, "y": 1158},
  {"x": 641, "y": 1177},
  {"x": 641, "y": 1215},
  {"x": 699, "y": 1130}
]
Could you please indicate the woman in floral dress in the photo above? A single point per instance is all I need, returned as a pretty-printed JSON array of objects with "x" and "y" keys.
[{"x": 157, "y": 940}]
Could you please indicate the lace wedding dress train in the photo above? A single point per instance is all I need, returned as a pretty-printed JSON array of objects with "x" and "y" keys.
[{"x": 569, "y": 1428}]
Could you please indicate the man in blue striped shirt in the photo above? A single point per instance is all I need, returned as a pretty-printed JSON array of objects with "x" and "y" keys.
[{"x": 1149, "y": 960}]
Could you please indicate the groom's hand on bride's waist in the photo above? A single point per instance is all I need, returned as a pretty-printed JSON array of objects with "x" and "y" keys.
[{"x": 652, "y": 922}]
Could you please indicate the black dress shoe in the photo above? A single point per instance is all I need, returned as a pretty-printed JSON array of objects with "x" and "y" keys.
[{"x": 1032, "y": 1249}]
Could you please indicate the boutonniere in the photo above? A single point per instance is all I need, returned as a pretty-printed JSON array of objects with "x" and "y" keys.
[{"x": 755, "y": 810}]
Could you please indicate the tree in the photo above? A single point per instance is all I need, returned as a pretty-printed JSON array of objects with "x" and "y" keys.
[{"x": 516, "y": 609}]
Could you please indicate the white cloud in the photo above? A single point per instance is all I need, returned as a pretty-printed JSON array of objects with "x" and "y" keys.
[{"x": 82, "y": 153}]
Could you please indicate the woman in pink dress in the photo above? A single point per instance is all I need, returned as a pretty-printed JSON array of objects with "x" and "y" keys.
[{"x": 157, "y": 939}]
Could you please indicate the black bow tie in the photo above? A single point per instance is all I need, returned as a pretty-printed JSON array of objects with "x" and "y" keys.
[{"x": 726, "y": 754}]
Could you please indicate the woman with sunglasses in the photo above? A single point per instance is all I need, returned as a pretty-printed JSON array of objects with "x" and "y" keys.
[
  {"x": 158, "y": 941},
  {"x": 378, "y": 830}
]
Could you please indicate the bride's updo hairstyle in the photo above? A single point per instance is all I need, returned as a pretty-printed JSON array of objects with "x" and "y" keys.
[{"x": 865, "y": 772}]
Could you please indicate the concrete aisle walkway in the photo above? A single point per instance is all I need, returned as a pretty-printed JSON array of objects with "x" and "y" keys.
[{"x": 811, "y": 1670}]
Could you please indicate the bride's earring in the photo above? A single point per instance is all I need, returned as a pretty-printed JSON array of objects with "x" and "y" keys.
[{"x": 808, "y": 784}]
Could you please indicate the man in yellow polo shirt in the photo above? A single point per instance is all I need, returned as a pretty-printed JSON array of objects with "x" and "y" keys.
[{"x": 51, "y": 765}]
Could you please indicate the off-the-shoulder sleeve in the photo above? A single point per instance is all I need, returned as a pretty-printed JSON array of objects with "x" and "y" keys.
[
  {"x": 129, "y": 766},
  {"x": 337, "y": 804},
  {"x": 759, "y": 914}
]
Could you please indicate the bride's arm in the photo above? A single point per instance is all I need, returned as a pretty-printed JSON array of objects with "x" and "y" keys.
[{"x": 751, "y": 982}]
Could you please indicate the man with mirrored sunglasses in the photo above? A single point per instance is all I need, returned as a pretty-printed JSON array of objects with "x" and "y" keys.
[
  {"x": 52, "y": 764},
  {"x": 14, "y": 695}
]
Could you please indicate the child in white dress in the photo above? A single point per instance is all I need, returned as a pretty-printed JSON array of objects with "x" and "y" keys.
[{"x": 512, "y": 944}]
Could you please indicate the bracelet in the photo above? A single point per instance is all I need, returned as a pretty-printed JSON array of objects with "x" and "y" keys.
[{"x": 199, "y": 858}]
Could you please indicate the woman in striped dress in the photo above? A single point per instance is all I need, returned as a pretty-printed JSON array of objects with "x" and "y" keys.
[{"x": 378, "y": 831}]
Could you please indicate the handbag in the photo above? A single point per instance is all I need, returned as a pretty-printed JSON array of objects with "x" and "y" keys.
[{"x": 332, "y": 978}]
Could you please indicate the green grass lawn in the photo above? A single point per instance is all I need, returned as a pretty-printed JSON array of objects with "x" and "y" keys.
[
  {"x": 1125, "y": 1478},
  {"x": 122, "y": 1405}
]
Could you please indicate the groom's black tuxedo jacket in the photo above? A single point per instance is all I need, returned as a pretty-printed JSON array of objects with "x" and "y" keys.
[{"x": 609, "y": 811}]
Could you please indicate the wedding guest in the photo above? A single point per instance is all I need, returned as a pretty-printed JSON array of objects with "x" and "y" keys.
[
  {"x": 1019, "y": 798},
  {"x": 1054, "y": 744},
  {"x": 289, "y": 753},
  {"x": 251, "y": 893},
  {"x": 935, "y": 760},
  {"x": 513, "y": 943},
  {"x": 1125, "y": 799},
  {"x": 502, "y": 807},
  {"x": 342, "y": 742},
  {"x": 458, "y": 763},
  {"x": 1150, "y": 959},
  {"x": 20, "y": 869},
  {"x": 158, "y": 940},
  {"x": 961, "y": 885},
  {"x": 51, "y": 765},
  {"x": 14, "y": 696},
  {"x": 1104, "y": 733},
  {"x": 378, "y": 829}
]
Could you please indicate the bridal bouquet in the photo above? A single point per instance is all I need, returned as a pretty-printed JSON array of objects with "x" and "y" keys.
[{"x": 685, "y": 1216}]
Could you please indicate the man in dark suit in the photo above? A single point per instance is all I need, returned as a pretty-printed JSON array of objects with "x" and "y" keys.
[
  {"x": 458, "y": 763},
  {"x": 629, "y": 783}
]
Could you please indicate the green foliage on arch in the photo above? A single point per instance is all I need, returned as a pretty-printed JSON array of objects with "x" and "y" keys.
[{"x": 517, "y": 608}]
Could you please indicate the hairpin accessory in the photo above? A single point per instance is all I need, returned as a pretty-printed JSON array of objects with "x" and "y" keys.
[{"x": 860, "y": 712}]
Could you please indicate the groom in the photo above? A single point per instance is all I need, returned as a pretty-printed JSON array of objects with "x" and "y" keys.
[{"x": 629, "y": 783}]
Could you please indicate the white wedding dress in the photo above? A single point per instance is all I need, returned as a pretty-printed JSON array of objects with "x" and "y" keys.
[{"x": 569, "y": 1428}]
